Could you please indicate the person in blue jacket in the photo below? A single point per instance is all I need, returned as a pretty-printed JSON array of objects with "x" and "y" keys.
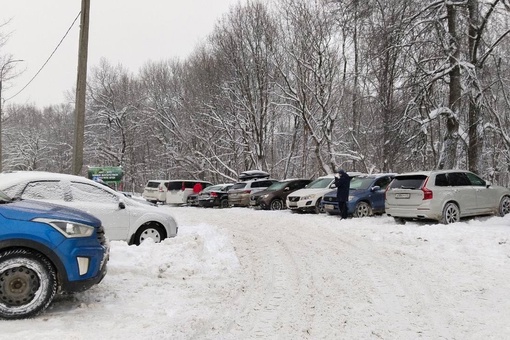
[{"x": 342, "y": 182}]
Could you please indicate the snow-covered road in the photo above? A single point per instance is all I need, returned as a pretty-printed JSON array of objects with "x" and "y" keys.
[{"x": 244, "y": 274}]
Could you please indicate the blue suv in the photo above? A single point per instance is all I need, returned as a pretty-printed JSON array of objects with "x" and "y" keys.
[
  {"x": 46, "y": 249},
  {"x": 366, "y": 196}
]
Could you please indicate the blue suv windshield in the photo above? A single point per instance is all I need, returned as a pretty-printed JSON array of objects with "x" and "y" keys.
[{"x": 360, "y": 183}]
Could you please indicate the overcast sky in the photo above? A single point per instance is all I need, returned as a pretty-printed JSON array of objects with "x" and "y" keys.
[{"x": 128, "y": 32}]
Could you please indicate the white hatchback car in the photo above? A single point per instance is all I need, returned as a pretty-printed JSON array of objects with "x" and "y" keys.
[
  {"x": 309, "y": 199},
  {"x": 444, "y": 196},
  {"x": 123, "y": 218},
  {"x": 155, "y": 190}
]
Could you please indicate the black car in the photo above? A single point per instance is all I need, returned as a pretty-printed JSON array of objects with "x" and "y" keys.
[
  {"x": 214, "y": 196},
  {"x": 274, "y": 197},
  {"x": 192, "y": 200}
]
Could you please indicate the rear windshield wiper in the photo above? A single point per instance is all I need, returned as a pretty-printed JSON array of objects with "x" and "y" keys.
[{"x": 407, "y": 187}]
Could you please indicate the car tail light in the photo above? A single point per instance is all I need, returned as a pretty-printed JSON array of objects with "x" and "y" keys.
[
  {"x": 385, "y": 191},
  {"x": 160, "y": 189},
  {"x": 247, "y": 191},
  {"x": 427, "y": 193},
  {"x": 213, "y": 194}
]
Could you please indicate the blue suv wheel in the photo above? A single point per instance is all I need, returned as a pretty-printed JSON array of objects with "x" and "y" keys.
[{"x": 28, "y": 283}]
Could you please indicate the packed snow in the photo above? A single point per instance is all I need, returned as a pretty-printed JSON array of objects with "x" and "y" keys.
[{"x": 240, "y": 273}]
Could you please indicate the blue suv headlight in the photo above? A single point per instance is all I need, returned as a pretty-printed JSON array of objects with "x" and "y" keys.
[{"x": 67, "y": 228}]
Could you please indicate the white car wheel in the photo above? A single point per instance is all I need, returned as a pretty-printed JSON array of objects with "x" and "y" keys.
[
  {"x": 153, "y": 232},
  {"x": 451, "y": 213},
  {"x": 504, "y": 206}
]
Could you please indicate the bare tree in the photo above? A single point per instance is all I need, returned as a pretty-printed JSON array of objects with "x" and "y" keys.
[
  {"x": 311, "y": 85},
  {"x": 243, "y": 43}
]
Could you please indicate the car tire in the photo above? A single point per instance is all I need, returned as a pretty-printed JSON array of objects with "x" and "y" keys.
[
  {"x": 362, "y": 209},
  {"x": 28, "y": 283},
  {"x": 451, "y": 213},
  {"x": 224, "y": 203},
  {"x": 146, "y": 231},
  {"x": 399, "y": 220},
  {"x": 504, "y": 206},
  {"x": 318, "y": 209},
  {"x": 276, "y": 204}
]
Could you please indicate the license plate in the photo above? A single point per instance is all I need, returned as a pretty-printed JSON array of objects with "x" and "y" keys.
[
  {"x": 329, "y": 206},
  {"x": 292, "y": 204},
  {"x": 400, "y": 196}
]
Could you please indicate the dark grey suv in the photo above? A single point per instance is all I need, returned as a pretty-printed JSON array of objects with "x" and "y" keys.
[{"x": 274, "y": 197}]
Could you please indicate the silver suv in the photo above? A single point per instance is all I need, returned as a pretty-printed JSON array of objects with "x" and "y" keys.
[
  {"x": 444, "y": 196},
  {"x": 239, "y": 194}
]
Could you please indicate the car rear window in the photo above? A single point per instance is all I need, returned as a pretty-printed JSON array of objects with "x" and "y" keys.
[
  {"x": 458, "y": 179},
  {"x": 261, "y": 184},
  {"x": 238, "y": 186},
  {"x": 174, "y": 185},
  {"x": 408, "y": 182},
  {"x": 454, "y": 179},
  {"x": 441, "y": 180},
  {"x": 152, "y": 184}
]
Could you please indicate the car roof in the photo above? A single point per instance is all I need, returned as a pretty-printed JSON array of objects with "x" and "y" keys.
[
  {"x": 258, "y": 180},
  {"x": 433, "y": 172},
  {"x": 377, "y": 175},
  {"x": 187, "y": 180},
  {"x": 14, "y": 177},
  {"x": 29, "y": 175},
  {"x": 222, "y": 184},
  {"x": 350, "y": 173},
  {"x": 294, "y": 179}
]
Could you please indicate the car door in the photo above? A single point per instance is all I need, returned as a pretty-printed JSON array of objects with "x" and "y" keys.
[
  {"x": 486, "y": 198},
  {"x": 463, "y": 192},
  {"x": 104, "y": 205},
  {"x": 377, "y": 196}
]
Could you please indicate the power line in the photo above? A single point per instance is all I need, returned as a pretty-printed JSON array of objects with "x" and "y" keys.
[{"x": 47, "y": 60}]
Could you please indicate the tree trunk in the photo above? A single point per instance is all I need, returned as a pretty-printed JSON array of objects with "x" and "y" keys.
[
  {"x": 474, "y": 117},
  {"x": 449, "y": 154}
]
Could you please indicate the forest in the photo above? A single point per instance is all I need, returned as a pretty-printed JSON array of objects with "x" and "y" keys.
[{"x": 297, "y": 88}]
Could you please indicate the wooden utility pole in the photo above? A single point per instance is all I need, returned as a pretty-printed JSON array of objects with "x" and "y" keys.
[{"x": 81, "y": 87}]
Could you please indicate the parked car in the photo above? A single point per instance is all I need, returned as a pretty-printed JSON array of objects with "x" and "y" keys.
[
  {"x": 239, "y": 194},
  {"x": 192, "y": 199},
  {"x": 309, "y": 198},
  {"x": 46, "y": 249},
  {"x": 215, "y": 196},
  {"x": 445, "y": 196},
  {"x": 178, "y": 190},
  {"x": 123, "y": 218},
  {"x": 155, "y": 191},
  {"x": 274, "y": 196},
  {"x": 366, "y": 196}
]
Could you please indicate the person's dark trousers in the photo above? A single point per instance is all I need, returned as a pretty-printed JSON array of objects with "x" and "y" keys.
[{"x": 342, "y": 206}]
